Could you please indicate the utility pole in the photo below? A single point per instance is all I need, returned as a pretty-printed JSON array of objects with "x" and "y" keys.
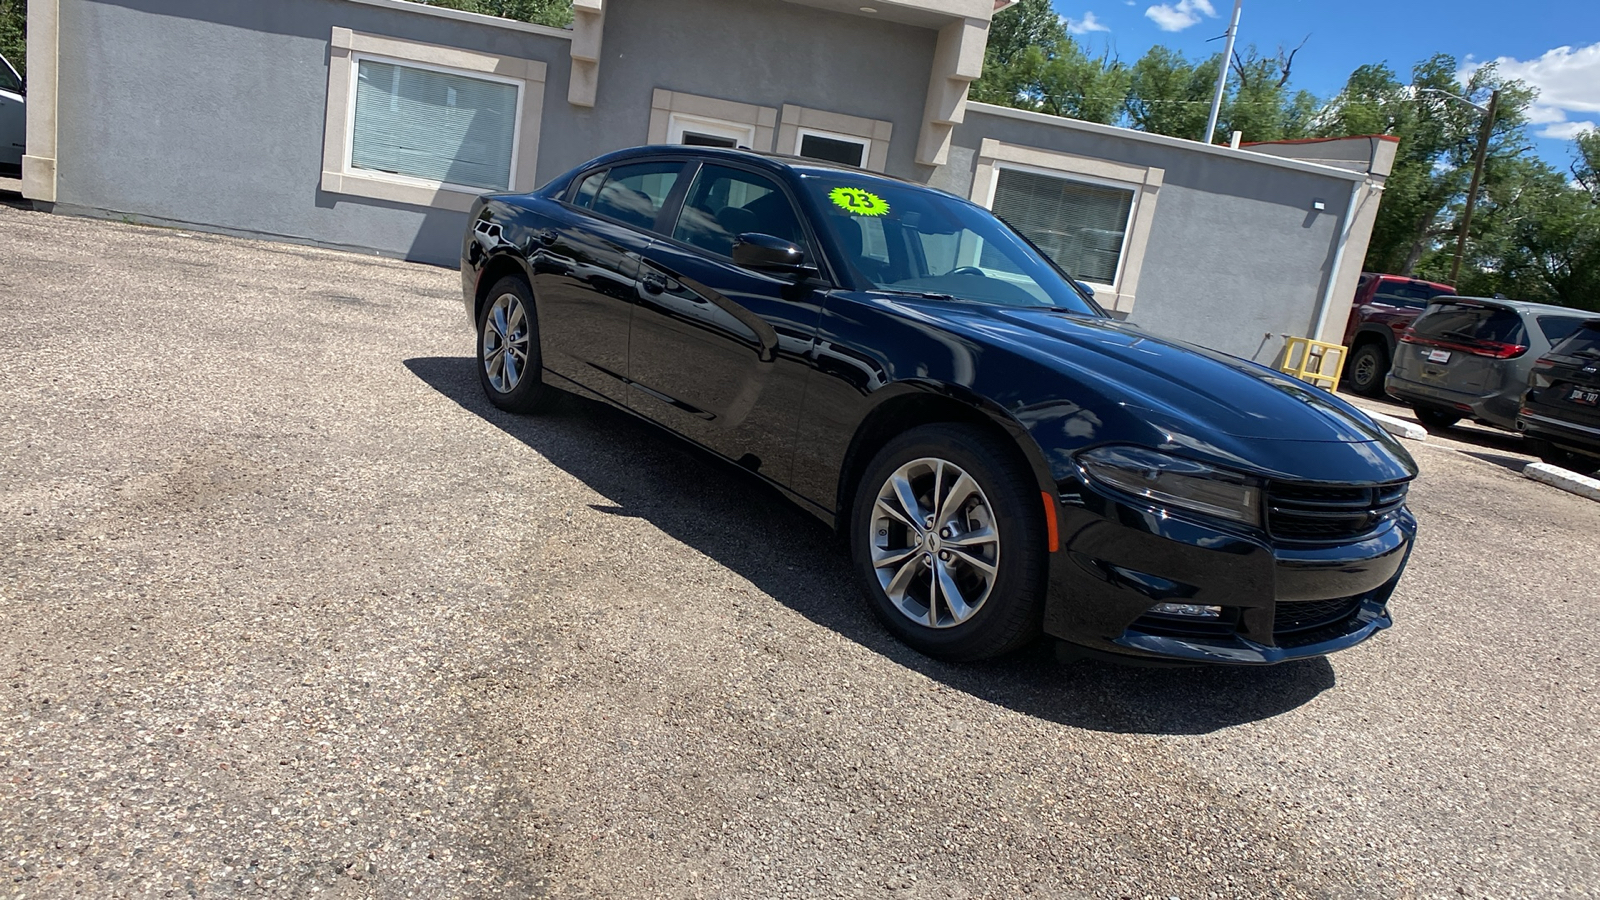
[
  {"x": 1222, "y": 76},
  {"x": 1477, "y": 176}
]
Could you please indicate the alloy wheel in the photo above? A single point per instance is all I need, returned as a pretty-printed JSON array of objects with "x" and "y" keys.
[
  {"x": 505, "y": 342},
  {"x": 935, "y": 544}
]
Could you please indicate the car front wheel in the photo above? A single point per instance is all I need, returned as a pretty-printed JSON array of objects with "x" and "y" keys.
[
  {"x": 508, "y": 348},
  {"x": 948, "y": 541}
]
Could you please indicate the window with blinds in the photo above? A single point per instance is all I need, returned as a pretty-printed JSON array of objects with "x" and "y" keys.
[
  {"x": 1080, "y": 226},
  {"x": 435, "y": 125}
]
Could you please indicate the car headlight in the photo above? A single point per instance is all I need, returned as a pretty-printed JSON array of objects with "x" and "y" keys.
[{"x": 1174, "y": 481}]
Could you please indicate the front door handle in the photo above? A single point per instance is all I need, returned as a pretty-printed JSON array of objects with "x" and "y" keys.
[{"x": 545, "y": 237}]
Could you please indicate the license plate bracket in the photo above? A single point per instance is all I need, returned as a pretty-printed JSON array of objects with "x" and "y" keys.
[
  {"x": 1585, "y": 396},
  {"x": 1438, "y": 356}
]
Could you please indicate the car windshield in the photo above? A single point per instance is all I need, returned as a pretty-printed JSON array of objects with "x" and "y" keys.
[
  {"x": 8, "y": 78},
  {"x": 906, "y": 239}
]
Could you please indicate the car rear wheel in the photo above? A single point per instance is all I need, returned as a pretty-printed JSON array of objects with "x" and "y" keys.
[
  {"x": 1368, "y": 365},
  {"x": 1435, "y": 419},
  {"x": 508, "y": 348},
  {"x": 948, "y": 541}
]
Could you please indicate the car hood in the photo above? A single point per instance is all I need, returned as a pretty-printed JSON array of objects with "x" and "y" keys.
[{"x": 1171, "y": 383}]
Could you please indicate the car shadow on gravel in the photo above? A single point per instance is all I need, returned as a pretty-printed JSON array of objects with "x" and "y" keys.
[{"x": 743, "y": 523}]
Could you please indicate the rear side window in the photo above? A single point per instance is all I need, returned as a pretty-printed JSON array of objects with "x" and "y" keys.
[
  {"x": 1405, "y": 294},
  {"x": 1557, "y": 328},
  {"x": 1583, "y": 342},
  {"x": 1470, "y": 322},
  {"x": 635, "y": 194}
]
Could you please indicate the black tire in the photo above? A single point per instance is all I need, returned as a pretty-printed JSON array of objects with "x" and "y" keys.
[
  {"x": 1434, "y": 418},
  {"x": 526, "y": 392},
  {"x": 1010, "y": 613},
  {"x": 1368, "y": 366}
]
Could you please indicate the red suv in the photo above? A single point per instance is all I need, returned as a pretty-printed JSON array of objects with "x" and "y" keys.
[{"x": 1384, "y": 306}]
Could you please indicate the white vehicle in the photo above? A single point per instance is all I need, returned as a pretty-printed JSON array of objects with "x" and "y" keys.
[{"x": 13, "y": 120}]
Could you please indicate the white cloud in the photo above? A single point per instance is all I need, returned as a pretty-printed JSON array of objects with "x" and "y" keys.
[
  {"x": 1180, "y": 15},
  {"x": 1084, "y": 25},
  {"x": 1568, "y": 80},
  {"x": 1566, "y": 131}
]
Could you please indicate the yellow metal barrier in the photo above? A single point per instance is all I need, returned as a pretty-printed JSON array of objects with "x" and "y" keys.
[{"x": 1315, "y": 362}]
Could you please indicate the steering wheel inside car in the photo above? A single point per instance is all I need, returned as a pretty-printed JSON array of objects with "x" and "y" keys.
[{"x": 968, "y": 270}]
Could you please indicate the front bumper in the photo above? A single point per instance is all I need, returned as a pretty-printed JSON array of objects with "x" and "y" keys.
[
  {"x": 1538, "y": 423},
  {"x": 1118, "y": 560}
]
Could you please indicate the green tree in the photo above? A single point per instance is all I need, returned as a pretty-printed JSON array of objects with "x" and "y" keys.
[
  {"x": 1031, "y": 25},
  {"x": 1168, "y": 94},
  {"x": 1423, "y": 196},
  {"x": 1259, "y": 104},
  {"x": 1586, "y": 162},
  {"x": 13, "y": 33},
  {"x": 556, "y": 13}
]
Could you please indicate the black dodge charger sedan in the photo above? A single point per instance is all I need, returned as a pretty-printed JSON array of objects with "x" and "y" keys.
[{"x": 1002, "y": 457}]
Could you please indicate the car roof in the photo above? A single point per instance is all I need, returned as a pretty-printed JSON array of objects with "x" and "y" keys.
[
  {"x": 800, "y": 164},
  {"x": 1515, "y": 305}
]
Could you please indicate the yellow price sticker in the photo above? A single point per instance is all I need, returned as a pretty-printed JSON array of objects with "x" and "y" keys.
[{"x": 858, "y": 202}]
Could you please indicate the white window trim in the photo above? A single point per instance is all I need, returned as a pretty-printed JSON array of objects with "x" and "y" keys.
[
  {"x": 1127, "y": 226},
  {"x": 1144, "y": 181},
  {"x": 874, "y": 134},
  {"x": 678, "y": 123},
  {"x": 864, "y": 143},
  {"x": 666, "y": 105},
  {"x": 347, "y": 48}
]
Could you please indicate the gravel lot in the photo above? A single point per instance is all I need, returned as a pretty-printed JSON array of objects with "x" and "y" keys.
[{"x": 287, "y": 609}]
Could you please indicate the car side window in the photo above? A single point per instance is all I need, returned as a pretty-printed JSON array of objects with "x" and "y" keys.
[
  {"x": 634, "y": 194},
  {"x": 726, "y": 202},
  {"x": 1558, "y": 328}
]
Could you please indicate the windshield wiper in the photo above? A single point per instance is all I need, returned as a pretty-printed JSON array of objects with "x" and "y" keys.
[{"x": 926, "y": 295}]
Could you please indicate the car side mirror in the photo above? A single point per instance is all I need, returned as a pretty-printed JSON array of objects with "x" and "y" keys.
[{"x": 765, "y": 253}]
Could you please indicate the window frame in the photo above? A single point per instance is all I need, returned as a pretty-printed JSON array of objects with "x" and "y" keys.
[
  {"x": 800, "y": 135},
  {"x": 1127, "y": 226},
  {"x": 665, "y": 105},
  {"x": 873, "y": 134},
  {"x": 1144, "y": 181},
  {"x": 741, "y": 134},
  {"x": 348, "y": 48}
]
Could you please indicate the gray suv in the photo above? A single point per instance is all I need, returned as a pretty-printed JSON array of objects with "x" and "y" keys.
[{"x": 1469, "y": 357}]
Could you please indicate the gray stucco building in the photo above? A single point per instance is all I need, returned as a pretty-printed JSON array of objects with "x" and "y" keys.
[{"x": 371, "y": 125}]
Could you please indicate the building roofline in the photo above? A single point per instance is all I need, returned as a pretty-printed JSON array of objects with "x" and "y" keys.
[
  {"x": 1323, "y": 140},
  {"x": 444, "y": 12},
  {"x": 1165, "y": 141}
]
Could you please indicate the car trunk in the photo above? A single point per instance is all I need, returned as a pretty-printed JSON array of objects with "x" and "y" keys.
[{"x": 1462, "y": 346}]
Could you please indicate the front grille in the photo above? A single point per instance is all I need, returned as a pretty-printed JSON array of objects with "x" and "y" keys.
[
  {"x": 1320, "y": 514},
  {"x": 1292, "y": 618}
]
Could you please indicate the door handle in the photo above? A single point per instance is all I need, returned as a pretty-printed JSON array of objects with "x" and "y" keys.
[{"x": 653, "y": 284}]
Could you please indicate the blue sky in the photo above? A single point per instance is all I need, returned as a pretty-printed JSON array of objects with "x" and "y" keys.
[{"x": 1553, "y": 44}]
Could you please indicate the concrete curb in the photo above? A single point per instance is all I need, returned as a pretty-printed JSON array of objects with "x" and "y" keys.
[
  {"x": 1398, "y": 427},
  {"x": 1570, "y": 482}
]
